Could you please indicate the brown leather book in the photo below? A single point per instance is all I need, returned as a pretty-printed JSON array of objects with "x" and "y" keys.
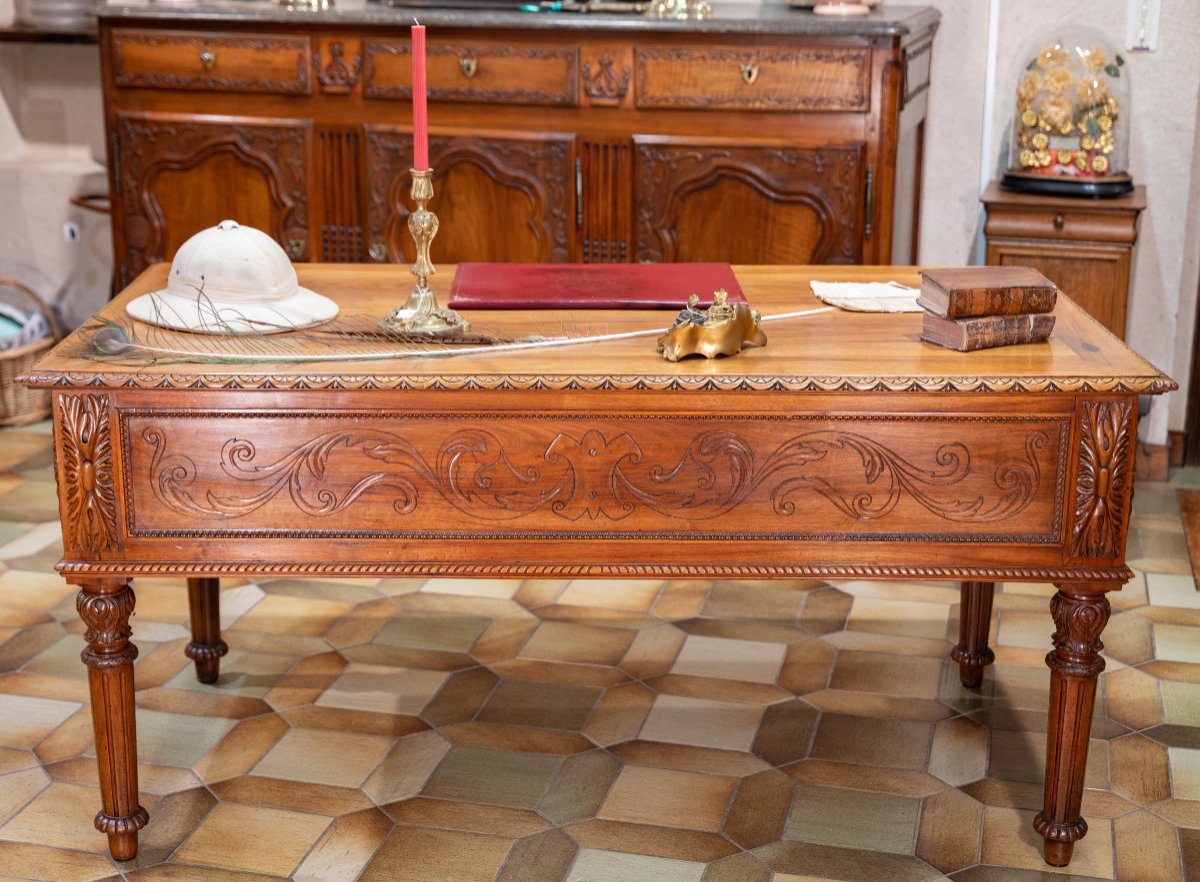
[
  {"x": 966, "y": 291},
  {"x": 984, "y": 332}
]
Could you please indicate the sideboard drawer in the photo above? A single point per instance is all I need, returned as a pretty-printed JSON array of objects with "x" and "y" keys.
[
  {"x": 214, "y": 62},
  {"x": 508, "y": 73},
  {"x": 757, "y": 78}
]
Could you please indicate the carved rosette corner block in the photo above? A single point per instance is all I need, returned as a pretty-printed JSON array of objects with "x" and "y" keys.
[
  {"x": 1075, "y": 663},
  {"x": 1103, "y": 482},
  {"x": 88, "y": 491}
]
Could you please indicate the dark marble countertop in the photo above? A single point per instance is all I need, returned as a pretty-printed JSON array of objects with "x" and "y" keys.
[
  {"x": 767, "y": 18},
  {"x": 25, "y": 33}
]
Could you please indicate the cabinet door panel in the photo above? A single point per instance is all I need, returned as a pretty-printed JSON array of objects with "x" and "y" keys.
[
  {"x": 497, "y": 197},
  {"x": 180, "y": 175},
  {"x": 748, "y": 203},
  {"x": 1095, "y": 277}
]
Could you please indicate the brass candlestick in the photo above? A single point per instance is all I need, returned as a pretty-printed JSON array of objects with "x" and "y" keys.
[{"x": 421, "y": 315}]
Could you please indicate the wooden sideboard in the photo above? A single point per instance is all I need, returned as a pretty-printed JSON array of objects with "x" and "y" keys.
[
  {"x": 1084, "y": 246},
  {"x": 776, "y": 138}
]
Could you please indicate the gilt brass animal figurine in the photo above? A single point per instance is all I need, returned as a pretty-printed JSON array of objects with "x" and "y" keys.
[{"x": 722, "y": 329}]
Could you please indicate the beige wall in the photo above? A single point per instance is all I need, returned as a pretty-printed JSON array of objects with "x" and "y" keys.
[
  {"x": 54, "y": 93},
  {"x": 1163, "y": 156}
]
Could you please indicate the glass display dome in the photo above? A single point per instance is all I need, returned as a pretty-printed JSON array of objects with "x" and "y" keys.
[{"x": 1070, "y": 129}]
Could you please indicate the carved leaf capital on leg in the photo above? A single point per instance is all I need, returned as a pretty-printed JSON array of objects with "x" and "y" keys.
[
  {"x": 1080, "y": 613},
  {"x": 105, "y": 606}
]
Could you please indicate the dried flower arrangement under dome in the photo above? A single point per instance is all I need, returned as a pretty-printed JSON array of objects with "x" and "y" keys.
[{"x": 1069, "y": 132}]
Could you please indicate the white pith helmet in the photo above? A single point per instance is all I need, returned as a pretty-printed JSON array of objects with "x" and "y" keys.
[{"x": 231, "y": 279}]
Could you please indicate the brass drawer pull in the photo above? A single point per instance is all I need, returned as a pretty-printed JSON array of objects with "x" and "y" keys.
[
  {"x": 749, "y": 73},
  {"x": 208, "y": 58},
  {"x": 1059, "y": 221},
  {"x": 468, "y": 66}
]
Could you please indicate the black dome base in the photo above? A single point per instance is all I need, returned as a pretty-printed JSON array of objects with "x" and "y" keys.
[{"x": 1064, "y": 185}]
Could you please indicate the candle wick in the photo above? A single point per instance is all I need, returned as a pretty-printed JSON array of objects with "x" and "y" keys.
[{"x": 417, "y": 23}]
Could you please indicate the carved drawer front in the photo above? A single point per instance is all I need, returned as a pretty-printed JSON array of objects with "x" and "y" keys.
[
  {"x": 476, "y": 71},
  {"x": 555, "y": 475},
  {"x": 759, "y": 78},
  {"x": 220, "y": 62}
]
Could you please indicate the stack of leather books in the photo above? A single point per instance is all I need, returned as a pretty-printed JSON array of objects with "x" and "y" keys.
[{"x": 978, "y": 307}]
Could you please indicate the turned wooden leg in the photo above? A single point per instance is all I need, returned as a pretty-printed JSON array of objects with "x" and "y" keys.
[
  {"x": 1074, "y": 665},
  {"x": 975, "y": 616},
  {"x": 105, "y": 606},
  {"x": 206, "y": 647}
]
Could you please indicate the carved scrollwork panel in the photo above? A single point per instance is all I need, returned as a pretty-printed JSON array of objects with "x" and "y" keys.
[
  {"x": 825, "y": 181},
  {"x": 1104, "y": 478},
  {"x": 86, "y": 468},
  {"x": 149, "y": 146},
  {"x": 753, "y": 480}
]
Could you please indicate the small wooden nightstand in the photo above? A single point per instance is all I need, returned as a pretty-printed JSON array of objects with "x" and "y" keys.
[{"x": 1084, "y": 246}]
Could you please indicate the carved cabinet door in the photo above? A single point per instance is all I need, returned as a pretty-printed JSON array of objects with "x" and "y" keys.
[
  {"x": 742, "y": 202},
  {"x": 497, "y": 196},
  {"x": 177, "y": 175}
]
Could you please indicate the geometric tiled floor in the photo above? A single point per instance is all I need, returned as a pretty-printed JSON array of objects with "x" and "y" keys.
[{"x": 593, "y": 731}]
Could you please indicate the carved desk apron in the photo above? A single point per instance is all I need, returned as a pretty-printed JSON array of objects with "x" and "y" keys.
[{"x": 844, "y": 448}]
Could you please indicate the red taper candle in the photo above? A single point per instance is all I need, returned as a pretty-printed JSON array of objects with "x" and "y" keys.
[{"x": 420, "y": 112}]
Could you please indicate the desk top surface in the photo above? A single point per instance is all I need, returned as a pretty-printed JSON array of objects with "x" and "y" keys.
[{"x": 830, "y": 350}]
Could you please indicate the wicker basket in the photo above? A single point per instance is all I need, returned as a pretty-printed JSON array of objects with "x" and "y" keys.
[{"x": 20, "y": 404}]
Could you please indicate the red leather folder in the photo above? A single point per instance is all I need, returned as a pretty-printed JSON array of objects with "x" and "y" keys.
[{"x": 589, "y": 285}]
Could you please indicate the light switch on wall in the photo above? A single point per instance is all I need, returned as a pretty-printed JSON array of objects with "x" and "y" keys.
[{"x": 1141, "y": 32}]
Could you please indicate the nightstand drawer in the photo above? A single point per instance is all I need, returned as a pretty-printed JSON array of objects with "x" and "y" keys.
[
  {"x": 1060, "y": 223},
  {"x": 761, "y": 78},
  {"x": 478, "y": 71},
  {"x": 213, "y": 62}
]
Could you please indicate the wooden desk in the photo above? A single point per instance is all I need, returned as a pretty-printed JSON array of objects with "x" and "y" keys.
[{"x": 846, "y": 448}]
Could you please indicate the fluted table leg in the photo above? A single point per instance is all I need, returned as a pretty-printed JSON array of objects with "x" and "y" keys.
[
  {"x": 105, "y": 606},
  {"x": 206, "y": 647},
  {"x": 975, "y": 616},
  {"x": 1080, "y": 613}
]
